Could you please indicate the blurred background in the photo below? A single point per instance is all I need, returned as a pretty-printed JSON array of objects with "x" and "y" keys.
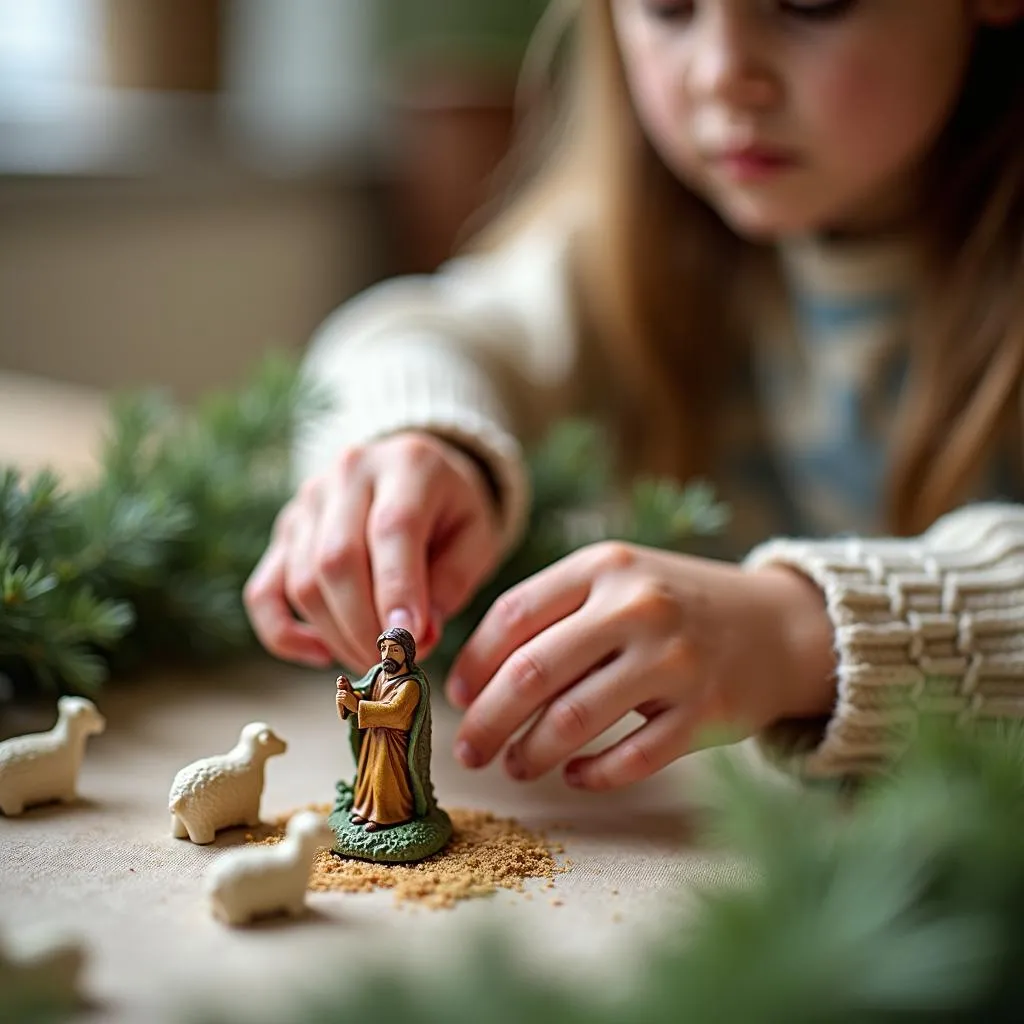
[{"x": 185, "y": 184}]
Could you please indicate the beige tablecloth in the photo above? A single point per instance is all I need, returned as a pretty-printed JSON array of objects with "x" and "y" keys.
[
  {"x": 50, "y": 424},
  {"x": 108, "y": 870}
]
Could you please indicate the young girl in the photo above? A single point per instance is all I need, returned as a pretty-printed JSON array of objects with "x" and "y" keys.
[{"x": 778, "y": 243}]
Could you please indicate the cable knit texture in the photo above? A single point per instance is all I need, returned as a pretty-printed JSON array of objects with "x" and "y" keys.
[{"x": 930, "y": 626}]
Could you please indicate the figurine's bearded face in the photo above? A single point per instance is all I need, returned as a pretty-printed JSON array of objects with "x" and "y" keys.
[{"x": 392, "y": 656}]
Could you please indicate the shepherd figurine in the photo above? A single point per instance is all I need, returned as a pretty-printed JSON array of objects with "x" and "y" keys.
[{"x": 390, "y": 812}]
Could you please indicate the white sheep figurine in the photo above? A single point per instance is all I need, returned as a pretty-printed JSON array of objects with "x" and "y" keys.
[
  {"x": 258, "y": 881},
  {"x": 43, "y": 766},
  {"x": 40, "y": 973},
  {"x": 224, "y": 790}
]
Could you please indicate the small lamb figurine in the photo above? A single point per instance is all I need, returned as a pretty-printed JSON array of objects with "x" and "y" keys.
[
  {"x": 224, "y": 790},
  {"x": 258, "y": 881},
  {"x": 40, "y": 974},
  {"x": 43, "y": 766}
]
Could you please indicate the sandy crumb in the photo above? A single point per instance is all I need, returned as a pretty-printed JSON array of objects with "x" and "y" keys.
[{"x": 486, "y": 853}]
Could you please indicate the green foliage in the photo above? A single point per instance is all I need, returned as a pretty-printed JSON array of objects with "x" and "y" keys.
[
  {"x": 150, "y": 561},
  {"x": 903, "y": 907},
  {"x": 53, "y": 622}
]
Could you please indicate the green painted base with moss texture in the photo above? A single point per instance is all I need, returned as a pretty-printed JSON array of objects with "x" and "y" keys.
[{"x": 416, "y": 839}]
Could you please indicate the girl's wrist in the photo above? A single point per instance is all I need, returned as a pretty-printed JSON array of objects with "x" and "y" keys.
[{"x": 808, "y": 679}]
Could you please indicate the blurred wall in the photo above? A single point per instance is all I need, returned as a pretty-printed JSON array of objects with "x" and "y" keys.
[
  {"x": 194, "y": 187},
  {"x": 186, "y": 183},
  {"x": 122, "y": 283}
]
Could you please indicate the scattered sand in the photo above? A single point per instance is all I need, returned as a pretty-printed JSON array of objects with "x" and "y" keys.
[{"x": 485, "y": 853}]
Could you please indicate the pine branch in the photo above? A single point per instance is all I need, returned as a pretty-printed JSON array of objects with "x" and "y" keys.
[{"x": 150, "y": 561}]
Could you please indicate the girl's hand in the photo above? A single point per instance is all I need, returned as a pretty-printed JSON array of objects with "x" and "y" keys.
[
  {"x": 400, "y": 532},
  {"x": 613, "y": 628}
]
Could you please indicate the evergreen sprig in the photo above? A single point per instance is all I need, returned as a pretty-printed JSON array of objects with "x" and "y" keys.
[{"x": 149, "y": 562}]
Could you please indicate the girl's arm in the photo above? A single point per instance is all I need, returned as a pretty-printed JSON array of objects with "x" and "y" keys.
[
  {"x": 927, "y": 625},
  {"x": 481, "y": 353}
]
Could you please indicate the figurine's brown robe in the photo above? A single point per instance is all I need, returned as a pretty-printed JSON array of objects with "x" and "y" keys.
[{"x": 383, "y": 791}]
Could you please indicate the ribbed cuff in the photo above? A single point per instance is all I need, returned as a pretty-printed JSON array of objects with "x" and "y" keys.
[{"x": 933, "y": 625}]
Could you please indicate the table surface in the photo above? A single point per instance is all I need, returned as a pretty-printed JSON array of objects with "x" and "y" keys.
[
  {"x": 107, "y": 870},
  {"x": 46, "y": 423}
]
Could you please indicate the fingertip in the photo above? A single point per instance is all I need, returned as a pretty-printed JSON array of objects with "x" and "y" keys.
[
  {"x": 434, "y": 629},
  {"x": 400, "y": 618},
  {"x": 514, "y": 766},
  {"x": 312, "y": 655},
  {"x": 468, "y": 755},
  {"x": 407, "y": 619},
  {"x": 317, "y": 653},
  {"x": 457, "y": 692},
  {"x": 579, "y": 774}
]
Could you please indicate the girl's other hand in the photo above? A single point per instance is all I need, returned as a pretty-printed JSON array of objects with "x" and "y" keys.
[
  {"x": 687, "y": 642},
  {"x": 399, "y": 532}
]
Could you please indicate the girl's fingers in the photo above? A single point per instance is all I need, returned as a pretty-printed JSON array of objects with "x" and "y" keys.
[
  {"x": 398, "y": 530},
  {"x": 644, "y": 751},
  {"x": 344, "y": 567},
  {"x": 577, "y": 716},
  {"x": 272, "y": 618},
  {"x": 460, "y": 562},
  {"x": 515, "y": 618},
  {"x": 529, "y": 679},
  {"x": 464, "y": 549},
  {"x": 302, "y": 586}
]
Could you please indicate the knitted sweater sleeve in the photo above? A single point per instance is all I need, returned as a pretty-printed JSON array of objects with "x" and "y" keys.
[
  {"x": 928, "y": 626},
  {"x": 480, "y": 353}
]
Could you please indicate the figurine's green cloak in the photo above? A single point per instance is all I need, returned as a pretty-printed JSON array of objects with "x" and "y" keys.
[{"x": 418, "y": 750}]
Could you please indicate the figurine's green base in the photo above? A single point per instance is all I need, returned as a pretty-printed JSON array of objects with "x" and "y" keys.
[{"x": 400, "y": 844}]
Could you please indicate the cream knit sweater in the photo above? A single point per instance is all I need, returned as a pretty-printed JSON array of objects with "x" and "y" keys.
[{"x": 485, "y": 353}]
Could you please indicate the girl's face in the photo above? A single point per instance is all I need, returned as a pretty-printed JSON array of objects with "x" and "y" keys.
[{"x": 794, "y": 116}]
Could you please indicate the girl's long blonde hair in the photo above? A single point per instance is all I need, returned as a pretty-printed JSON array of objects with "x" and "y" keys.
[{"x": 656, "y": 273}]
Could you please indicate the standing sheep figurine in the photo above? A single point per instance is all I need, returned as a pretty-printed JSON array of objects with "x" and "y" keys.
[
  {"x": 43, "y": 766},
  {"x": 260, "y": 881},
  {"x": 224, "y": 790}
]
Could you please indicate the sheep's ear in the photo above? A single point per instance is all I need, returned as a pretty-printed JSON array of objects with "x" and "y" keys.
[{"x": 264, "y": 736}]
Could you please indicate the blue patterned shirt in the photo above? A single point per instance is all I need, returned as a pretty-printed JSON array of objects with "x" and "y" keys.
[{"x": 808, "y": 444}]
